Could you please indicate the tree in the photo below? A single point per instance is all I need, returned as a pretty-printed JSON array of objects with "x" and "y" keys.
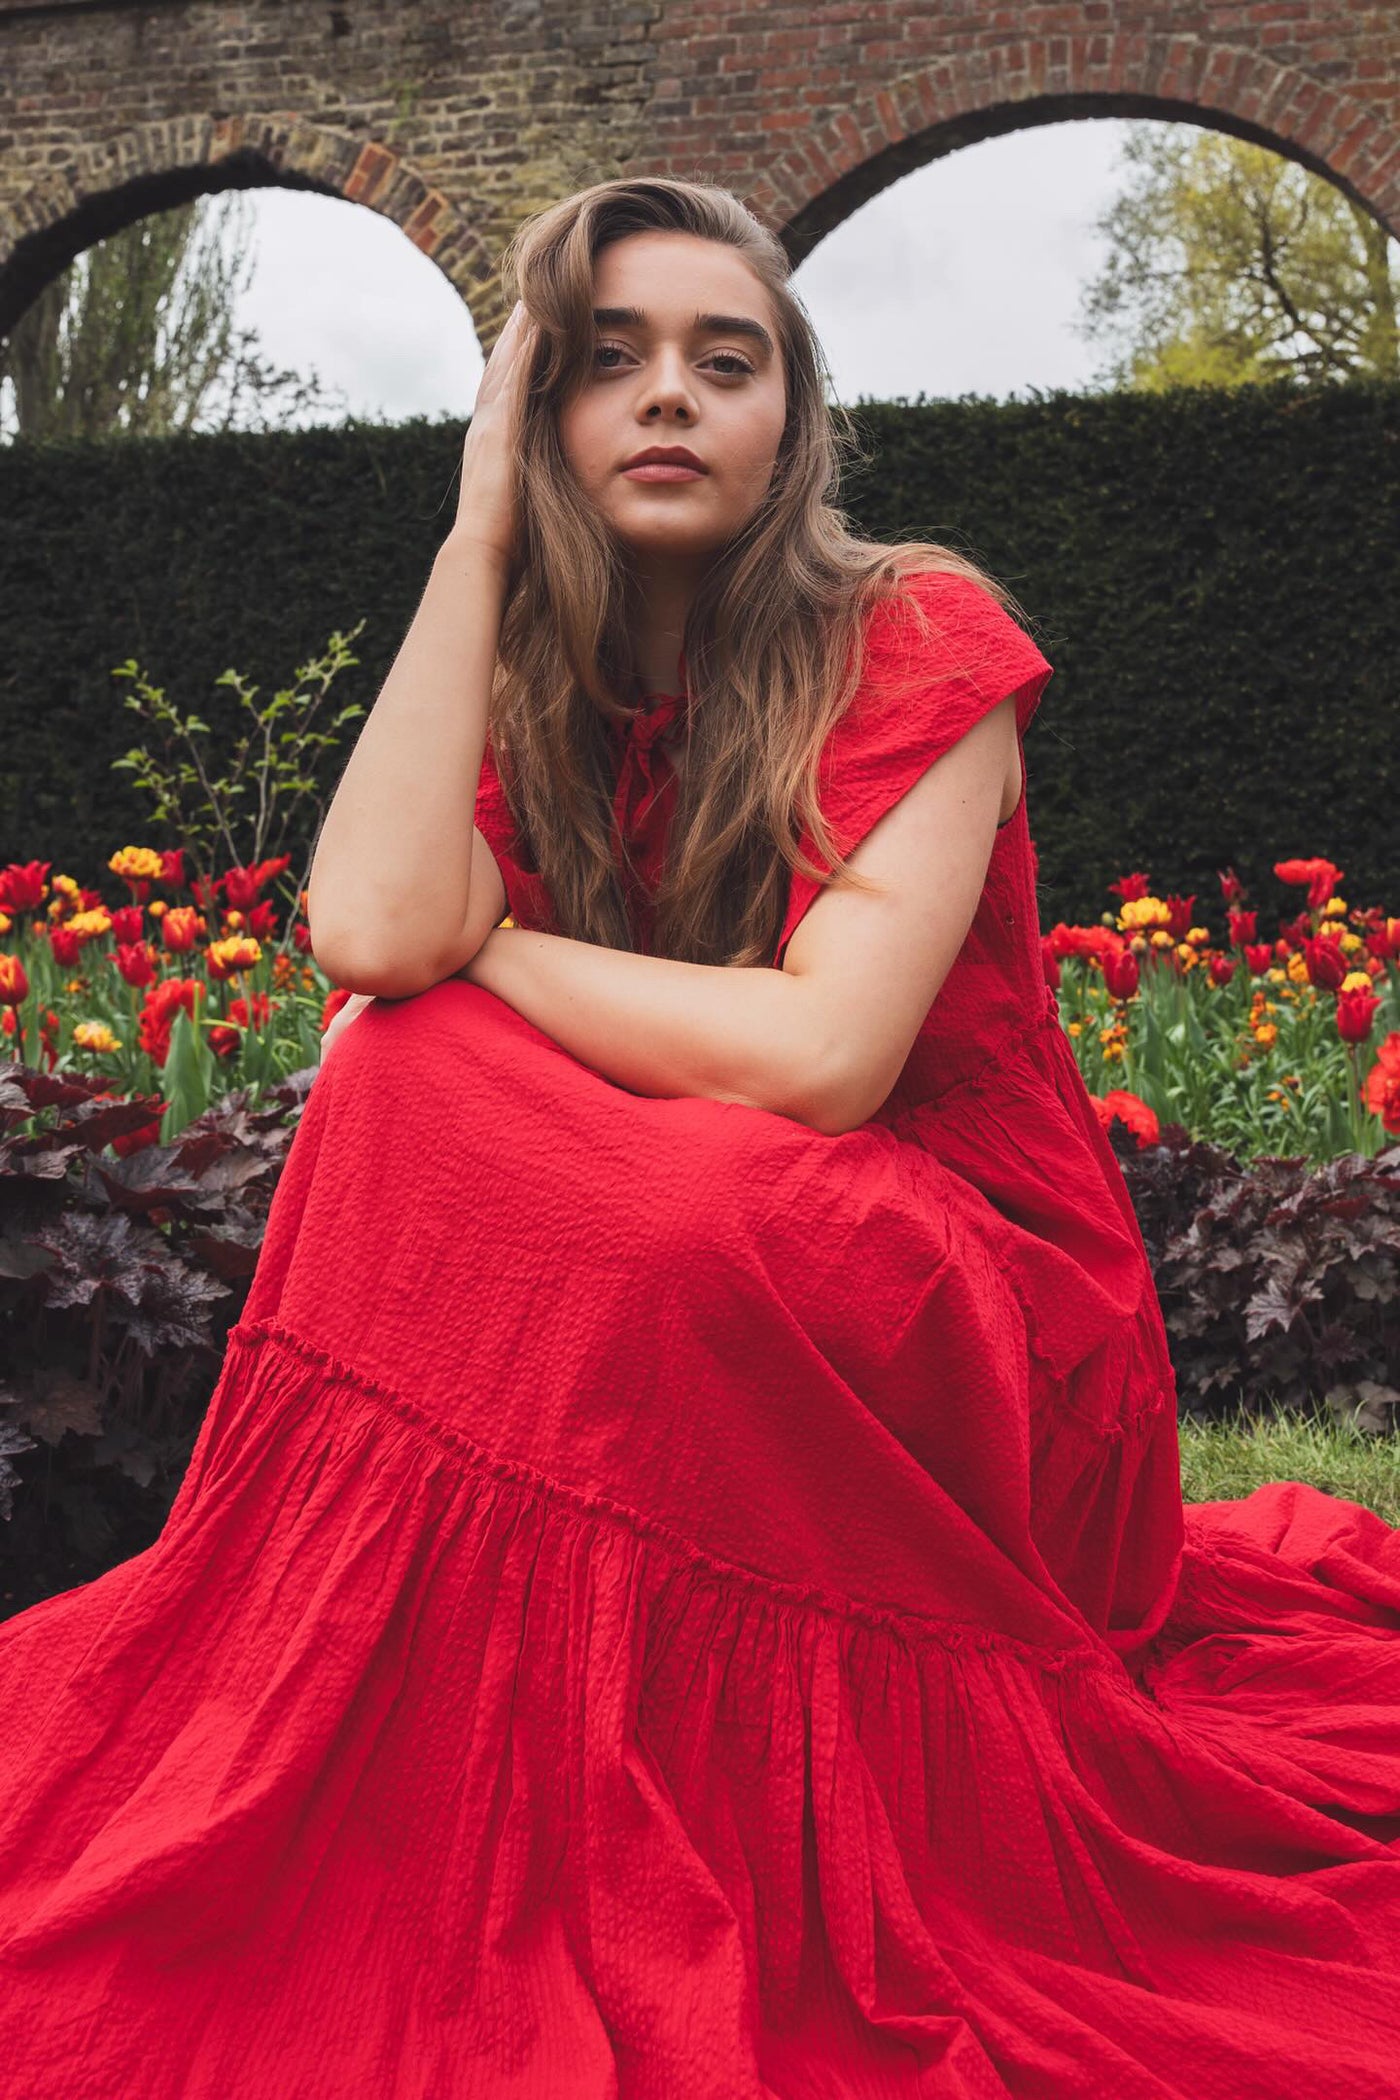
[
  {"x": 138, "y": 337},
  {"x": 1229, "y": 265}
]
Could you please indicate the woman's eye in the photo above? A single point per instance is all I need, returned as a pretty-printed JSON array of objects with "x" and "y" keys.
[{"x": 733, "y": 358}]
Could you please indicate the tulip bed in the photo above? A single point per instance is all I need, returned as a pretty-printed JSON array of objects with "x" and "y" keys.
[
  {"x": 175, "y": 995},
  {"x": 1288, "y": 1044},
  {"x": 183, "y": 991}
]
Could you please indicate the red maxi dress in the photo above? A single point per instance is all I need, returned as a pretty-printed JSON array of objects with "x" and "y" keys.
[{"x": 670, "y": 1605}]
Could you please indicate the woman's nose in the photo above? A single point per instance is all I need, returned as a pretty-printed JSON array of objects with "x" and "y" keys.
[{"x": 668, "y": 384}]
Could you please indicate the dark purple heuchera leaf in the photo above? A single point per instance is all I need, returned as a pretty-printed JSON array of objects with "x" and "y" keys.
[
  {"x": 21, "y": 1259},
  {"x": 12, "y": 1442},
  {"x": 119, "y": 1277},
  {"x": 233, "y": 1251},
  {"x": 151, "y": 1294},
  {"x": 1279, "y": 1281},
  {"x": 63, "y": 1403},
  {"x": 40, "y": 1157}
]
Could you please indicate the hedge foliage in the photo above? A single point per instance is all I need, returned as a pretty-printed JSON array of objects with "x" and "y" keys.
[{"x": 1213, "y": 575}]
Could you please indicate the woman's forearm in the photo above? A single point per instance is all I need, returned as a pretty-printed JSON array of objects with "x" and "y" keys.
[
  {"x": 387, "y": 895},
  {"x": 661, "y": 1027}
]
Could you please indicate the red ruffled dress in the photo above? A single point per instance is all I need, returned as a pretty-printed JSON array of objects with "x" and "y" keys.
[{"x": 670, "y": 1605}]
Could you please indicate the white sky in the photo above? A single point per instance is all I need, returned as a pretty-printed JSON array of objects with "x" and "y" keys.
[{"x": 961, "y": 278}]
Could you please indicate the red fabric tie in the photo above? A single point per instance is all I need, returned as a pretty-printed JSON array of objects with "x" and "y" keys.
[{"x": 637, "y": 783}]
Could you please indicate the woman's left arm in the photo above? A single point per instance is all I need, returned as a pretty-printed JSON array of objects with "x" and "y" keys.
[
  {"x": 661, "y": 1027},
  {"x": 824, "y": 1038}
]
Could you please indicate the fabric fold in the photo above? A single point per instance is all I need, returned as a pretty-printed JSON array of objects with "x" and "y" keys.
[{"x": 667, "y": 1823}]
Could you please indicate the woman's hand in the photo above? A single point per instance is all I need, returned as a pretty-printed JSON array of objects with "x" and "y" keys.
[
  {"x": 487, "y": 505},
  {"x": 344, "y": 1015}
]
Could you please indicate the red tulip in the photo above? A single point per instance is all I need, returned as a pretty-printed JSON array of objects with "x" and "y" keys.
[
  {"x": 158, "y": 1013},
  {"x": 1130, "y": 1110},
  {"x": 1129, "y": 888},
  {"x": 1355, "y": 1013},
  {"x": 1179, "y": 915},
  {"x": 127, "y": 923},
  {"x": 241, "y": 885},
  {"x": 1120, "y": 972},
  {"x": 262, "y": 1010},
  {"x": 136, "y": 963},
  {"x": 1327, "y": 965},
  {"x": 22, "y": 885},
  {"x": 1381, "y": 1088},
  {"x": 14, "y": 983},
  {"x": 334, "y": 1001},
  {"x": 1321, "y": 877}
]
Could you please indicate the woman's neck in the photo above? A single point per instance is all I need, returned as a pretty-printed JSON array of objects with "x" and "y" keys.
[{"x": 660, "y": 633}]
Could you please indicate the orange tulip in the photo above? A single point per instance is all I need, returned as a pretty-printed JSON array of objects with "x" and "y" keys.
[{"x": 180, "y": 928}]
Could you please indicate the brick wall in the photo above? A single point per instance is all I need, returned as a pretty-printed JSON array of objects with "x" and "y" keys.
[{"x": 455, "y": 121}]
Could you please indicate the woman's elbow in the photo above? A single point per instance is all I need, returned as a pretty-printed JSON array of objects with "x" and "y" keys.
[{"x": 357, "y": 967}]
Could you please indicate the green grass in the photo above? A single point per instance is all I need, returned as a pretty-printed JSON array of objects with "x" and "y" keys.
[{"x": 1222, "y": 1461}]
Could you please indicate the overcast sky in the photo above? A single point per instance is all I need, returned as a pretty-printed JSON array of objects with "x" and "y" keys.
[{"x": 962, "y": 278}]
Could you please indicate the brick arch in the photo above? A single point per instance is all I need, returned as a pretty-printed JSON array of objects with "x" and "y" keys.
[
  {"x": 458, "y": 122},
  {"x": 156, "y": 166},
  {"x": 1016, "y": 82}
]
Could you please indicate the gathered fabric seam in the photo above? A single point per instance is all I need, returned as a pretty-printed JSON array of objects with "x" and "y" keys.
[{"x": 912, "y": 1627}]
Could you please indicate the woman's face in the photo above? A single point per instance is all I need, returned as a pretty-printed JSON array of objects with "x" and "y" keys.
[{"x": 673, "y": 367}]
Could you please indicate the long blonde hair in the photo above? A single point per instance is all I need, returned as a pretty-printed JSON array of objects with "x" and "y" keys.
[{"x": 772, "y": 637}]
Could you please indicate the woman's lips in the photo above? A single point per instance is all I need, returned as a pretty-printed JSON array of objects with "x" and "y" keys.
[{"x": 663, "y": 470}]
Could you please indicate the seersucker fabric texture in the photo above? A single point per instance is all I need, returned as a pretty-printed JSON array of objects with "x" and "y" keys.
[{"x": 667, "y": 1604}]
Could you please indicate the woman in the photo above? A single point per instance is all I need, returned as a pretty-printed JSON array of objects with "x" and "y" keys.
[{"x": 683, "y": 1588}]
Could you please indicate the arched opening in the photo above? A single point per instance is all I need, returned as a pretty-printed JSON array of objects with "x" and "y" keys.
[
  {"x": 1001, "y": 265},
  {"x": 294, "y": 173}
]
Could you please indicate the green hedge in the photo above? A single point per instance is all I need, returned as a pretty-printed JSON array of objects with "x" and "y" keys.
[{"x": 1214, "y": 577}]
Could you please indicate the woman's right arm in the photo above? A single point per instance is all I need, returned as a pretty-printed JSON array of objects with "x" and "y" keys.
[
  {"x": 390, "y": 890},
  {"x": 401, "y": 882}
]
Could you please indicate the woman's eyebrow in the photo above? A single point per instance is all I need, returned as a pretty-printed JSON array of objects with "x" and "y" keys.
[{"x": 714, "y": 324}]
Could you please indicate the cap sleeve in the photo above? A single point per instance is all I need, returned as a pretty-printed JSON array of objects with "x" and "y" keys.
[
  {"x": 917, "y": 696},
  {"x": 526, "y": 895}
]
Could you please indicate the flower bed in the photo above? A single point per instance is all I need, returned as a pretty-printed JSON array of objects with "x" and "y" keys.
[
  {"x": 1248, "y": 1043},
  {"x": 170, "y": 999}
]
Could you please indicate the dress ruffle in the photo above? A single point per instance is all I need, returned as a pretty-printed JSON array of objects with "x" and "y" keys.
[{"x": 469, "y": 1784}]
